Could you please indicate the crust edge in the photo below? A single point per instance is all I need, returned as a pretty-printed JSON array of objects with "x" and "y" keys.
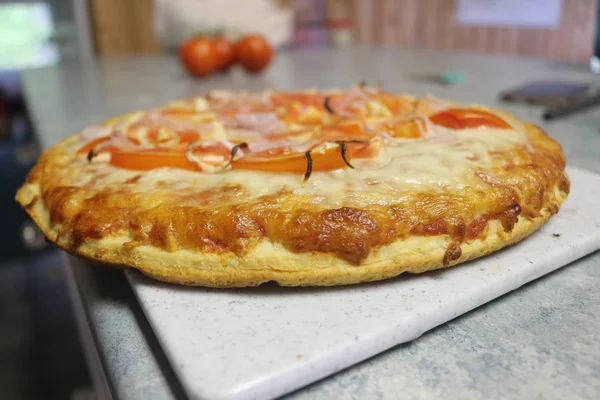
[{"x": 272, "y": 262}]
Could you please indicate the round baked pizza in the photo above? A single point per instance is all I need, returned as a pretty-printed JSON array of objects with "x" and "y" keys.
[{"x": 301, "y": 188}]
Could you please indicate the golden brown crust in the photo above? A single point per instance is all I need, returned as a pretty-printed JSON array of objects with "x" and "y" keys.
[
  {"x": 270, "y": 262},
  {"x": 217, "y": 237}
]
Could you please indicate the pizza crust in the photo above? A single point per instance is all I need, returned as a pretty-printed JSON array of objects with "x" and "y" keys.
[{"x": 272, "y": 262}]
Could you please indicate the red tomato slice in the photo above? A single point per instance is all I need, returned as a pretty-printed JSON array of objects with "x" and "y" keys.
[
  {"x": 188, "y": 136},
  {"x": 174, "y": 157},
  {"x": 349, "y": 127},
  {"x": 286, "y": 99},
  {"x": 301, "y": 115},
  {"x": 342, "y": 130},
  {"x": 148, "y": 160},
  {"x": 185, "y": 137},
  {"x": 402, "y": 129},
  {"x": 461, "y": 118},
  {"x": 398, "y": 105},
  {"x": 274, "y": 152},
  {"x": 364, "y": 150},
  {"x": 326, "y": 160},
  {"x": 231, "y": 110},
  {"x": 297, "y": 111},
  {"x": 86, "y": 149},
  {"x": 179, "y": 112}
]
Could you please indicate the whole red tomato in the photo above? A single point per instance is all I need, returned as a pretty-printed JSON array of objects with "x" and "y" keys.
[
  {"x": 199, "y": 56},
  {"x": 254, "y": 53},
  {"x": 225, "y": 53}
]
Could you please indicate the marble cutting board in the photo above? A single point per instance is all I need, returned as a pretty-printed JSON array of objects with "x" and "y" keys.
[{"x": 263, "y": 342}]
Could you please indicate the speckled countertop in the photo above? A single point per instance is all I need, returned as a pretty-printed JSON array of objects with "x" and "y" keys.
[{"x": 540, "y": 341}]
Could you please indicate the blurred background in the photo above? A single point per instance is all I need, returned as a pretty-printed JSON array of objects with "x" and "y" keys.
[{"x": 40, "y": 353}]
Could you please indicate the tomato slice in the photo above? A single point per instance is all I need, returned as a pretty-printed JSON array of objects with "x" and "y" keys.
[
  {"x": 350, "y": 127},
  {"x": 364, "y": 150},
  {"x": 309, "y": 115},
  {"x": 401, "y": 129},
  {"x": 461, "y": 118},
  {"x": 398, "y": 105},
  {"x": 174, "y": 157},
  {"x": 286, "y": 99},
  {"x": 406, "y": 129},
  {"x": 179, "y": 112},
  {"x": 326, "y": 160},
  {"x": 309, "y": 108},
  {"x": 293, "y": 100},
  {"x": 187, "y": 136},
  {"x": 148, "y": 160},
  {"x": 86, "y": 149}
]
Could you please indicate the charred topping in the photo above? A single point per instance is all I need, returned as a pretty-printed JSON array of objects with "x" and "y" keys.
[
  {"x": 343, "y": 151},
  {"x": 309, "y": 162},
  {"x": 91, "y": 154},
  {"x": 343, "y": 148},
  {"x": 243, "y": 146},
  {"x": 351, "y": 141},
  {"x": 362, "y": 84},
  {"x": 328, "y": 106}
]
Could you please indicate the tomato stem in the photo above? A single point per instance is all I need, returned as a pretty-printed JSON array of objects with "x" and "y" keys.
[{"x": 328, "y": 106}]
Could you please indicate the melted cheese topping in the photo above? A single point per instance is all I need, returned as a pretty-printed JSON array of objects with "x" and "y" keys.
[
  {"x": 442, "y": 160},
  {"x": 416, "y": 165}
]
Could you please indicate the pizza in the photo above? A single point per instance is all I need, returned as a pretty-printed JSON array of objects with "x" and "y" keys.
[{"x": 315, "y": 187}]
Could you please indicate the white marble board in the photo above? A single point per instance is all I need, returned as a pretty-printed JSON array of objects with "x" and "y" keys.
[{"x": 263, "y": 342}]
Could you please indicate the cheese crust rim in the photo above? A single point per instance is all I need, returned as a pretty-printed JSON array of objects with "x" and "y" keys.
[{"x": 271, "y": 262}]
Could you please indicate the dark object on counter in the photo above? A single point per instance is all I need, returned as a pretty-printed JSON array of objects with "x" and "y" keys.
[
  {"x": 573, "y": 107},
  {"x": 18, "y": 153},
  {"x": 18, "y": 234},
  {"x": 552, "y": 94}
]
